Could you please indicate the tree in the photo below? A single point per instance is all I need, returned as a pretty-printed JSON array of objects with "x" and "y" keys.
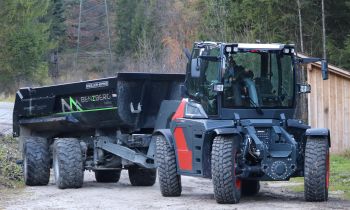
[
  {"x": 57, "y": 34},
  {"x": 25, "y": 42},
  {"x": 125, "y": 12}
]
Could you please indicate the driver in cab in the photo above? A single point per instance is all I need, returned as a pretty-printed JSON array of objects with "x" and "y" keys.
[
  {"x": 234, "y": 77},
  {"x": 235, "y": 72}
]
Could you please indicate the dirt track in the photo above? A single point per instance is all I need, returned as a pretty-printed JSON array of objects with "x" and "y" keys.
[{"x": 197, "y": 193}]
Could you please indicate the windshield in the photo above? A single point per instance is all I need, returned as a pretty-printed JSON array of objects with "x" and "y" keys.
[{"x": 258, "y": 79}]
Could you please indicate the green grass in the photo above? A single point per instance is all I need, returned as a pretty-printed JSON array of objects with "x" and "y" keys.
[
  {"x": 10, "y": 172},
  {"x": 339, "y": 175},
  {"x": 7, "y": 99}
]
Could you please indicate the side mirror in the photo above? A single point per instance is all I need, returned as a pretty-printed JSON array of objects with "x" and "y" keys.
[
  {"x": 324, "y": 68},
  {"x": 195, "y": 63},
  {"x": 304, "y": 88},
  {"x": 324, "y": 65}
]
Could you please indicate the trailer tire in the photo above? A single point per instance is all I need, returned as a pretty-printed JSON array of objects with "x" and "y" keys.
[
  {"x": 36, "y": 161},
  {"x": 227, "y": 187},
  {"x": 169, "y": 180},
  {"x": 250, "y": 187},
  {"x": 316, "y": 169},
  {"x": 106, "y": 176},
  {"x": 68, "y": 163},
  {"x": 142, "y": 176}
]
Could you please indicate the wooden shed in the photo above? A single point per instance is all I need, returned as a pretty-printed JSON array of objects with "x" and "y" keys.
[{"x": 328, "y": 104}]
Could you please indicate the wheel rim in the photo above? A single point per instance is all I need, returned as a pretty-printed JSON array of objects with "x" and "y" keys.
[
  {"x": 238, "y": 182},
  {"x": 56, "y": 168},
  {"x": 25, "y": 168},
  {"x": 327, "y": 170}
]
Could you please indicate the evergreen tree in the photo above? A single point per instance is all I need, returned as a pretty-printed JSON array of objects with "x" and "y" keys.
[
  {"x": 57, "y": 34},
  {"x": 25, "y": 42},
  {"x": 57, "y": 27},
  {"x": 125, "y": 12}
]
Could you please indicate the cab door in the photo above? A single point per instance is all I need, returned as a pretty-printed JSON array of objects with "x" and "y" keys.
[{"x": 200, "y": 89}]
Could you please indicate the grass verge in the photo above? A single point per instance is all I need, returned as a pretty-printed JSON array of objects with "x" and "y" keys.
[
  {"x": 7, "y": 99},
  {"x": 339, "y": 175},
  {"x": 10, "y": 172}
]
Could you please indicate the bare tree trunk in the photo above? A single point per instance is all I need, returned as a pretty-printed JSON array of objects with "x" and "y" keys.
[
  {"x": 300, "y": 27},
  {"x": 302, "y": 102},
  {"x": 323, "y": 32}
]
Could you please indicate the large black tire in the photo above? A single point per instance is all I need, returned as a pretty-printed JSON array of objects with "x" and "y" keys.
[
  {"x": 142, "y": 176},
  {"x": 316, "y": 169},
  {"x": 36, "y": 161},
  {"x": 227, "y": 188},
  {"x": 107, "y": 175},
  {"x": 169, "y": 180},
  {"x": 68, "y": 163},
  {"x": 250, "y": 187}
]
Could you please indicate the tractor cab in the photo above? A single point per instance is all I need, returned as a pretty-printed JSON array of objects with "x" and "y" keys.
[{"x": 251, "y": 80}]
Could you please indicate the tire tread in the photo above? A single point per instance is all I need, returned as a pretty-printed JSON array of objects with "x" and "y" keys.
[
  {"x": 222, "y": 166},
  {"x": 315, "y": 169},
  {"x": 169, "y": 180},
  {"x": 38, "y": 161},
  {"x": 69, "y": 156}
]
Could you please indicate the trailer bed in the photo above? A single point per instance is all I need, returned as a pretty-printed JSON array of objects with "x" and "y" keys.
[{"x": 128, "y": 101}]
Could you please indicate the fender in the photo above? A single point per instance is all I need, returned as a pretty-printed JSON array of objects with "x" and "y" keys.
[
  {"x": 226, "y": 131},
  {"x": 319, "y": 132},
  {"x": 166, "y": 111},
  {"x": 297, "y": 124},
  {"x": 167, "y": 135}
]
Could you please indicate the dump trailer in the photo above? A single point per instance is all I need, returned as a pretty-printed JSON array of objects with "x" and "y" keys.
[
  {"x": 236, "y": 123},
  {"x": 103, "y": 125}
]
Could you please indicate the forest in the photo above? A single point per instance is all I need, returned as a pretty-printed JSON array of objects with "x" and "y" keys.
[{"x": 43, "y": 43}]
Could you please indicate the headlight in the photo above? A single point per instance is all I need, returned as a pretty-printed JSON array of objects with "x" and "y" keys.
[{"x": 194, "y": 110}]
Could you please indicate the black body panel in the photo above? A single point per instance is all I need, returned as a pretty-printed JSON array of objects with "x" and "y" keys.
[{"x": 129, "y": 101}]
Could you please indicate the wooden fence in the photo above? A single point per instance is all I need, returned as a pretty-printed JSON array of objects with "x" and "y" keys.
[{"x": 328, "y": 104}]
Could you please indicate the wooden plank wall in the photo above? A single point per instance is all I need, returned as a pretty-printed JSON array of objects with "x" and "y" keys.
[{"x": 328, "y": 104}]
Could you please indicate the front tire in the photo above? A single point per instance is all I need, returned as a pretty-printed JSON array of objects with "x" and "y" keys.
[
  {"x": 142, "y": 176},
  {"x": 316, "y": 169},
  {"x": 169, "y": 180},
  {"x": 227, "y": 187},
  {"x": 36, "y": 161},
  {"x": 106, "y": 176},
  {"x": 68, "y": 163}
]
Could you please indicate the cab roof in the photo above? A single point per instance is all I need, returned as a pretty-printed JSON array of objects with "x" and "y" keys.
[{"x": 251, "y": 46}]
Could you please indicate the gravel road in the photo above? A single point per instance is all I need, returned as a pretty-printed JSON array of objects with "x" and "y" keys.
[
  {"x": 197, "y": 193},
  {"x": 6, "y": 109}
]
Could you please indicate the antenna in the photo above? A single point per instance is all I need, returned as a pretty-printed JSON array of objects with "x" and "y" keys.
[{"x": 93, "y": 37}]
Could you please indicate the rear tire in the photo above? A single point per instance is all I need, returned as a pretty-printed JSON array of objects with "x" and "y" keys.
[
  {"x": 169, "y": 180},
  {"x": 36, "y": 161},
  {"x": 250, "y": 187},
  {"x": 68, "y": 163},
  {"x": 316, "y": 169},
  {"x": 142, "y": 176},
  {"x": 227, "y": 188},
  {"x": 106, "y": 176}
]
